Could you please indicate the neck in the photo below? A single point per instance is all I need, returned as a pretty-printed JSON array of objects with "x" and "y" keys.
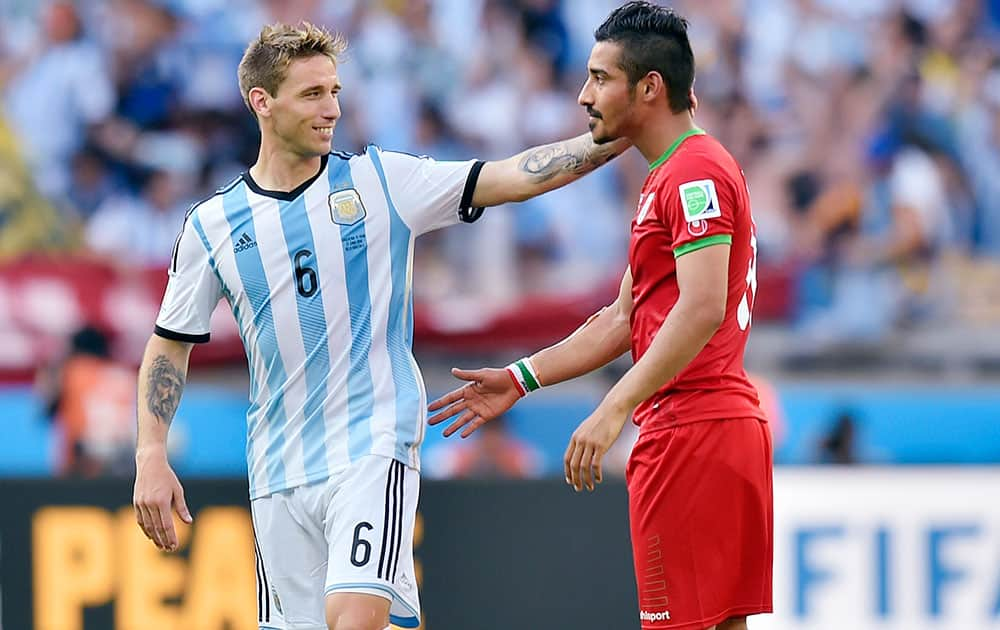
[
  {"x": 281, "y": 170},
  {"x": 657, "y": 135}
]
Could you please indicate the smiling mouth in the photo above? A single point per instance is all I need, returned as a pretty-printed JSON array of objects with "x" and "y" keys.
[{"x": 326, "y": 131}]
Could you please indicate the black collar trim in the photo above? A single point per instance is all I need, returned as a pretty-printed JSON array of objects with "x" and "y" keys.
[{"x": 282, "y": 195}]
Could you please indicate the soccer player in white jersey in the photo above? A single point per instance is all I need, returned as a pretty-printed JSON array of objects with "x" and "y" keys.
[{"x": 312, "y": 249}]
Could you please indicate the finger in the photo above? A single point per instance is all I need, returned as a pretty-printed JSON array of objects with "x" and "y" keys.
[
  {"x": 156, "y": 524},
  {"x": 586, "y": 474},
  {"x": 460, "y": 422},
  {"x": 180, "y": 505},
  {"x": 574, "y": 466},
  {"x": 467, "y": 375},
  {"x": 475, "y": 424},
  {"x": 596, "y": 465},
  {"x": 567, "y": 458},
  {"x": 165, "y": 526},
  {"x": 447, "y": 399},
  {"x": 140, "y": 519},
  {"x": 447, "y": 413},
  {"x": 147, "y": 524}
]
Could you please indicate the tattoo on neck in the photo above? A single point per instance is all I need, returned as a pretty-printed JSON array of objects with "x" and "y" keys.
[
  {"x": 577, "y": 156},
  {"x": 163, "y": 391}
]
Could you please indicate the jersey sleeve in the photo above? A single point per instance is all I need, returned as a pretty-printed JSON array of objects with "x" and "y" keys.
[
  {"x": 193, "y": 291},
  {"x": 698, "y": 206},
  {"x": 429, "y": 194}
]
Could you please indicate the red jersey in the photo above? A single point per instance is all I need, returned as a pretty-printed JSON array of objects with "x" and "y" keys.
[{"x": 695, "y": 196}]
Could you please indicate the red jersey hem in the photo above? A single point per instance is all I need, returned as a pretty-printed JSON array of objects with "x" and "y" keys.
[
  {"x": 652, "y": 424},
  {"x": 708, "y": 622}
]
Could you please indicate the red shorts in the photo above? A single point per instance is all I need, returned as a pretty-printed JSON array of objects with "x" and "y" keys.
[{"x": 701, "y": 513}]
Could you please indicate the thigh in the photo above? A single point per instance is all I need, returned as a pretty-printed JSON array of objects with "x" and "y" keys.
[
  {"x": 369, "y": 528},
  {"x": 291, "y": 563},
  {"x": 701, "y": 523}
]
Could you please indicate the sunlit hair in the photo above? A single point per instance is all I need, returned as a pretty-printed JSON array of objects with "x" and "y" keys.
[
  {"x": 266, "y": 60},
  {"x": 653, "y": 39}
]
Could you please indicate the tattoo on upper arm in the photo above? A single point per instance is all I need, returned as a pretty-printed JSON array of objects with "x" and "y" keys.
[
  {"x": 570, "y": 156},
  {"x": 163, "y": 392}
]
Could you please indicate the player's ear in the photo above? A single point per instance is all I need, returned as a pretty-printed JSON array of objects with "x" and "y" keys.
[
  {"x": 651, "y": 85},
  {"x": 260, "y": 101}
]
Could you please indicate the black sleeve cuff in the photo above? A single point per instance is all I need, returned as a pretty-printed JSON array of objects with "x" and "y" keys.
[
  {"x": 465, "y": 212},
  {"x": 176, "y": 336}
]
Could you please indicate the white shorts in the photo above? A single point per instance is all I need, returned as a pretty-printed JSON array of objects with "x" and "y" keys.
[{"x": 352, "y": 533}]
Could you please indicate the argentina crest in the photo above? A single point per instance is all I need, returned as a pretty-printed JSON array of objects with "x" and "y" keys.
[{"x": 346, "y": 207}]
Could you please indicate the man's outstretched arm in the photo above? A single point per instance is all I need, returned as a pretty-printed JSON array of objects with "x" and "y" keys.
[
  {"x": 490, "y": 392},
  {"x": 541, "y": 169},
  {"x": 157, "y": 490}
]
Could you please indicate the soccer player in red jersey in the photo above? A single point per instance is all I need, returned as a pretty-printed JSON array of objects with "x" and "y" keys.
[{"x": 699, "y": 476}]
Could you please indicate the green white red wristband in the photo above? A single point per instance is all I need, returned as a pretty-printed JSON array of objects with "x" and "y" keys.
[{"x": 524, "y": 376}]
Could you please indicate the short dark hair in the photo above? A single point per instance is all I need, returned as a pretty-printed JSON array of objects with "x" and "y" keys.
[{"x": 653, "y": 39}]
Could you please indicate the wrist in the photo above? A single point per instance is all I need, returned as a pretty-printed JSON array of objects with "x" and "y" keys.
[
  {"x": 615, "y": 402},
  {"x": 156, "y": 450},
  {"x": 525, "y": 378}
]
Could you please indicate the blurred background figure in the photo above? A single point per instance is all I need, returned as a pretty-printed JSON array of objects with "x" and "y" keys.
[
  {"x": 869, "y": 132},
  {"x": 91, "y": 400},
  {"x": 56, "y": 89},
  {"x": 493, "y": 452},
  {"x": 838, "y": 445}
]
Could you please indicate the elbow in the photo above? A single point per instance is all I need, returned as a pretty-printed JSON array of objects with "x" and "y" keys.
[
  {"x": 517, "y": 194},
  {"x": 708, "y": 315},
  {"x": 623, "y": 339}
]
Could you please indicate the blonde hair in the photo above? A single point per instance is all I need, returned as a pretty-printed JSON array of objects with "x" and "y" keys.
[{"x": 266, "y": 60}]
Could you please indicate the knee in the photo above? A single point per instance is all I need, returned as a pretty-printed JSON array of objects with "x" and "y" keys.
[
  {"x": 356, "y": 611},
  {"x": 355, "y": 620},
  {"x": 343, "y": 623}
]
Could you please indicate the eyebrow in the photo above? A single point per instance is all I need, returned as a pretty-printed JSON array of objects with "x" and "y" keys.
[
  {"x": 336, "y": 87},
  {"x": 597, "y": 72}
]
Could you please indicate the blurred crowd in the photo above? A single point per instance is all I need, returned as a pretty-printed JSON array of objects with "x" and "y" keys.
[{"x": 869, "y": 131}]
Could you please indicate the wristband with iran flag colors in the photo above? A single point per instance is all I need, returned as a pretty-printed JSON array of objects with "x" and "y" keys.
[{"x": 524, "y": 376}]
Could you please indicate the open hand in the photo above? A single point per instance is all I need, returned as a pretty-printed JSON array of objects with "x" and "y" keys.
[{"x": 489, "y": 393}]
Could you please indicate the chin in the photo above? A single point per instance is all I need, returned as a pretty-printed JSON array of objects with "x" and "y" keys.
[
  {"x": 601, "y": 137},
  {"x": 321, "y": 148},
  {"x": 600, "y": 134}
]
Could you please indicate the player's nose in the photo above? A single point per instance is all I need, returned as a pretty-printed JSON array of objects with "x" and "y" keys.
[{"x": 332, "y": 109}]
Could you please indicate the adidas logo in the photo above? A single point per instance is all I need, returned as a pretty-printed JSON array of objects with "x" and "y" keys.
[{"x": 244, "y": 243}]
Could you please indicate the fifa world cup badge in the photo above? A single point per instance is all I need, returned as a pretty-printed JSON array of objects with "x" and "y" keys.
[
  {"x": 701, "y": 203},
  {"x": 346, "y": 207}
]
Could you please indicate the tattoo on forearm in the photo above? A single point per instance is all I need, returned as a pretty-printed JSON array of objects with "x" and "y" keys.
[
  {"x": 163, "y": 391},
  {"x": 577, "y": 156}
]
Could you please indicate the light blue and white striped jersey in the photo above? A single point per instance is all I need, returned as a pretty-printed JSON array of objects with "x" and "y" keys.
[{"x": 319, "y": 281}]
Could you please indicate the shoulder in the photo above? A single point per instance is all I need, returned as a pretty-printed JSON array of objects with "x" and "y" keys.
[
  {"x": 704, "y": 156},
  {"x": 211, "y": 202},
  {"x": 404, "y": 160},
  {"x": 346, "y": 156},
  {"x": 372, "y": 155},
  {"x": 704, "y": 163}
]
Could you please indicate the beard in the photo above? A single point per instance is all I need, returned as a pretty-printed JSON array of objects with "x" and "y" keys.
[{"x": 601, "y": 136}]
